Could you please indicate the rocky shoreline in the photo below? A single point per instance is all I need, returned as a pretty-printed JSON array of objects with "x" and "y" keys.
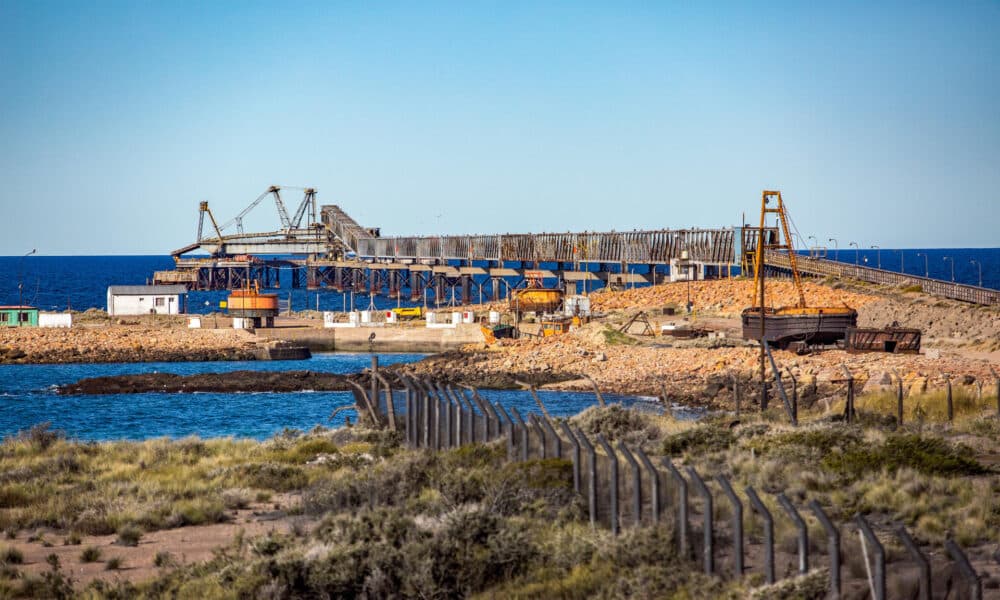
[
  {"x": 233, "y": 382},
  {"x": 145, "y": 340}
]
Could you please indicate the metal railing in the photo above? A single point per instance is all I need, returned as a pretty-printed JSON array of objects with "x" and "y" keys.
[{"x": 822, "y": 267}]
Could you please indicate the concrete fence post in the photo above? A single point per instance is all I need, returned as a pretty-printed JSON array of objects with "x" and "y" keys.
[
  {"x": 472, "y": 399},
  {"x": 683, "y": 524},
  {"x": 758, "y": 506},
  {"x": 833, "y": 541},
  {"x": 597, "y": 390},
  {"x": 487, "y": 407},
  {"x": 542, "y": 442},
  {"x": 510, "y": 428},
  {"x": 470, "y": 419},
  {"x": 613, "y": 482},
  {"x": 899, "y": 398},
  {"x": 373, "y": 380},
  {"x": 736, "y": 395},
  {"x": 708, "y": 526},
  {"x": 592, "y": 475},
  {"x": 795, "y": 395},
  {"x": 997, "y": 378},
  {"x": 449, "y": 423},
  {"x": 575, "y": 454},
  {"x": 951, "y": 405},
  {"x": 524, "y": 432},
  {"x": 636, "y": 483},
  {"x": 426, "y": 406},
  {"x": 849, "y": 413},
  {"x": 923, "y": 565},
  {"x": 878, "y": 576},
  {"x": 730, "y": 493},
  {"x": 803, "y": 532},
  {"x": 654, "y": 483},
  {"x": 556, "y": 441},
  {"x": 975, "y": 586}
]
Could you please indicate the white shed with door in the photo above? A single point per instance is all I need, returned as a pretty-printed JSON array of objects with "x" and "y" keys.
[{"x": 146, "y": 299}]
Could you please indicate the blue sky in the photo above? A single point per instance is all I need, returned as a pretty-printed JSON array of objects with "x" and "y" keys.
[{"x": 880, "y": 123}]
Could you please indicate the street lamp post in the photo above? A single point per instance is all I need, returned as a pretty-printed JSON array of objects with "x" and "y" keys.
[
  {"x": 856, "y": 250},
  {"x": 902, "y": 262},
  {"x": 20, "y": 283},
  {"x": 878, "y": 255},
  {"x": 952, "y": 261},
  {"x": 836, "y": 249},
  {"x": 980, "y": 265},
  {"x": 927, "y": 271}
]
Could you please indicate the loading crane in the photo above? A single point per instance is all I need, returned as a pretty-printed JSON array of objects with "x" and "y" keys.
[
  {"x": 799, "y": 323},
  {"x": 294, "y": 237}
]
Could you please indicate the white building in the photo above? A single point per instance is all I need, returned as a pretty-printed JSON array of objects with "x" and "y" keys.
[{"x": 146, "y": 299}]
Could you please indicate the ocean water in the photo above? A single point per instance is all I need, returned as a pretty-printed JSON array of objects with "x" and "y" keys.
[
  {"x": 27, "y": 398},
  {"x": 81, "y": 282}
]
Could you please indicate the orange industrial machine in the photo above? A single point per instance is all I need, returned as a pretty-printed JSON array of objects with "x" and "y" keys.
[
  {"x": 535, "y": 298},
  {"x": 249, "y": 303},
  {"x": 800, "y": 324}
]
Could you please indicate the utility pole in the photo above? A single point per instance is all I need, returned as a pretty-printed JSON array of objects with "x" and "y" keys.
[
  {"x": 856, "y": 249},
  {"x": 878, "y": 255},
  {"x": 20, "y": 284},
  {"x": 836, "y": 249},
  {"x": 927, "y": 270}
]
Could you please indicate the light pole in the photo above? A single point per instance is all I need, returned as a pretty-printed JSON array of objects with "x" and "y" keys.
[
  {"x": 902, "y": 262},
  {"x": 927, "y": 271},
  {"x": 836, "y": 249},
  {"x": 856, "y": 250},
  {"x": 878, "y": 255},
  {"x": 980, "y": 265},
  {"x": 20, "y": 283},
  {"x": 815, "y": 243},
  {"x": 952, "y": 261}
]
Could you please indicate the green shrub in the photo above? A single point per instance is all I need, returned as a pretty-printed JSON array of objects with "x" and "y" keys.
[
  {"x": 614, "y": 422},
  {"x": 114, "y": 564},
  {"x": 10, "y": 555},
  {"x": 704, "y": 438},
  {"x": 928, "y": 455},
  {"x": 269, "y": 476},
  {"x": 129, "y": 535},
  {"x": 164, "y": 559},
  {"x": 90, "y": 554}
]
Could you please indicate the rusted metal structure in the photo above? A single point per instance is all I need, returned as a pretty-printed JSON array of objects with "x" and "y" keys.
[
  {"x": 897, "y": 340},
  {"x": 786, "y": 324},
  {"x": 331, "y": 250}
]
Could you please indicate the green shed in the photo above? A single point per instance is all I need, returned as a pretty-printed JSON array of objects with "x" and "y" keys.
[{"x": 18, "y": 316}]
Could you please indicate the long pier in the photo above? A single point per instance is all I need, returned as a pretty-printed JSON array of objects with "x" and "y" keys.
[
  {"x": 342, "y": 255},
  {"x": 337, "y": 253}
]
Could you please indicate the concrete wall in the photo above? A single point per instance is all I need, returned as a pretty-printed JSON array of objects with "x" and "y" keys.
[
  {"x": 144, "y": 305},
  {"x": 46, "y": 319}
]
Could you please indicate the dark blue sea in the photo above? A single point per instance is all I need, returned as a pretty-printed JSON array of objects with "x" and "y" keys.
[
  {"x": 81, "y": 282},
  {"x": 27, "y": 397}
]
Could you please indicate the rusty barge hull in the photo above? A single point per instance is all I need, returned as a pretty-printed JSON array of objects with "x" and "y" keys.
[{"x": 818, "y": 327}]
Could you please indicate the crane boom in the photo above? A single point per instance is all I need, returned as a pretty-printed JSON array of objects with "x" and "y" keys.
[{"x": 763, "y": 245}]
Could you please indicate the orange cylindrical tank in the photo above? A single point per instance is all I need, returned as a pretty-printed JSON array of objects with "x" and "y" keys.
[{"x": 250, "y": 303}]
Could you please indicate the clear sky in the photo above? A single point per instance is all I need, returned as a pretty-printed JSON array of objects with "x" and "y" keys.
[{"x": 880, "y": 122}]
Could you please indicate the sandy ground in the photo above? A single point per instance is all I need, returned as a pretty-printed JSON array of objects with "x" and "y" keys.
[{"x": 186, "y": 544}]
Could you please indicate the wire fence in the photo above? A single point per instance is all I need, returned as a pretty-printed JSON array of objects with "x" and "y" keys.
[{"x": 623, "y": 487}]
